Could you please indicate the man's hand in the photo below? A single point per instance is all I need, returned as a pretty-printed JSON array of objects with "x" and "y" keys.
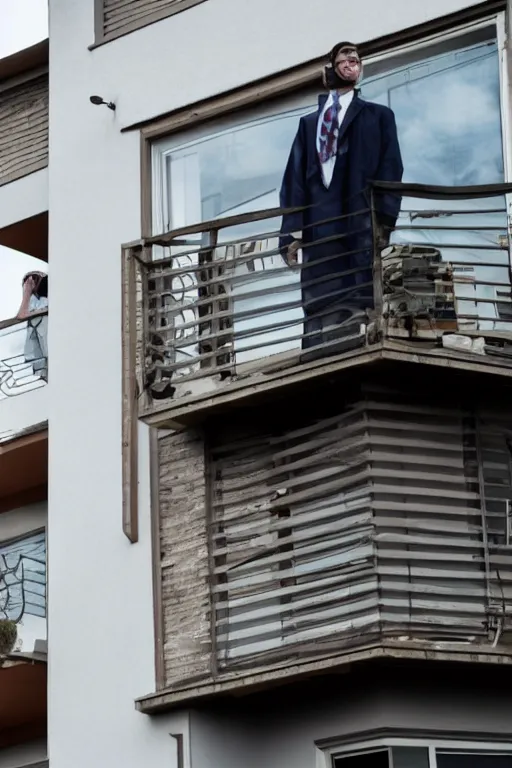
[
  {"x": 28, "y": 286},
  {"x": 291, "y": 254}
]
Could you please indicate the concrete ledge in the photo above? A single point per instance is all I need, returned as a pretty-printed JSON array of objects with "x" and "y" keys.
[
  {"x": 192, "y": 409},
  {"x": 244, "y": 683}
]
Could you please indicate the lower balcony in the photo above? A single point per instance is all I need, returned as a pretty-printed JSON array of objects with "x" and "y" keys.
[
  {"x": 215, "y": 317},
  {"x": 348, "y": 523},
  {"x": 23, "y": 622}
]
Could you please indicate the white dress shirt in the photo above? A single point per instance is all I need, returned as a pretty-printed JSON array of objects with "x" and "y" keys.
[{"x": 345, "y": 101}]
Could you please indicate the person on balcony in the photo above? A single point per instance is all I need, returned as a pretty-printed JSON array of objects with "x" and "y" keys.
[
  {"x": 337, "y": 152},
  {"x": 34, "y": 302}
]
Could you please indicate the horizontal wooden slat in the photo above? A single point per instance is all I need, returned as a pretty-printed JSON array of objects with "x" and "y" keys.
[
  {"x": 325, "y": 529},
  {"x": 23, "y": 129},
  {"x": 282, "y": 528},
  {"x": 121, "y": 16}
]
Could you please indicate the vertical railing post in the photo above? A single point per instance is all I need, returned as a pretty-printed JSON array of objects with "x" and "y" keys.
[
  {"x": 129, "y": 444},
  {"x": 378, "y": 292}
]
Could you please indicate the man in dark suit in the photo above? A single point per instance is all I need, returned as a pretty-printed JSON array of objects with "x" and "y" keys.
[{"x": 337, "y": 152}]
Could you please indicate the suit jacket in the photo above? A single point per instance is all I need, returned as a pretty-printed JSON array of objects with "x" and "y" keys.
[{"x": 368, "y": 150}]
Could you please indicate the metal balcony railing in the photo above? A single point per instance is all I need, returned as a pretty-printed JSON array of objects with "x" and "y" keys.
[
  {"x": 23, "y": 354},
  {"x": 218, "y": 301}
]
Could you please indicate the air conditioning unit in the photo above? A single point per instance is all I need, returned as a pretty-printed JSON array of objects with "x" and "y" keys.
[{"x": 418, "y": 292}]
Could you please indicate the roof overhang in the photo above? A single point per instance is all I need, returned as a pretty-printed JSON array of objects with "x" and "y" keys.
[
  {"x": 24, "y": 468},
  {"x": 23, "y": 707},
  {"x": 27, "y": 60}
]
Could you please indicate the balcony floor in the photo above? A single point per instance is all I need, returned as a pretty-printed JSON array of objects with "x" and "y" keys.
[
  {"x": 240, "y": 684},
  {"x": 285, "y": 372}
]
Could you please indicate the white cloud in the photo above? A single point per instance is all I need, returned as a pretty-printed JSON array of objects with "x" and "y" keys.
[{"x": 24, "y": 22}]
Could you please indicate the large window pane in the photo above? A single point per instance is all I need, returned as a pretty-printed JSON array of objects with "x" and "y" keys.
[
  {"x": 447, "y": 105},
  {"x": 473, "y": 761},
  {"x": 23, "y": 587},
  {"x": 410, "y": 757},
  {"x": 447, "y": 109},
  {"x": 368, "y": 760},
  {"x": 236, "y": 170},
  {"x": 449, "y": 123}
]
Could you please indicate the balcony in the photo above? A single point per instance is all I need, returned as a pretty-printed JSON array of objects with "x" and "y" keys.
[
  {"x": 23, "y": 374},
  {"x": 24, "y": 99},
  {"x": 23, "y": 570},
  {"x": 215, "y": 318},
  {"x": 359, "y": 509},
  {"x": 345, "y": 524}
]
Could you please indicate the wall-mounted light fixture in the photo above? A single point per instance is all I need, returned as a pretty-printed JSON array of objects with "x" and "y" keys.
[{"x": 97, "y": 100}]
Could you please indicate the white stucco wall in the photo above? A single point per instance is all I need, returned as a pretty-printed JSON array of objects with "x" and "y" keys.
[
  {"x": 222, "y": 44},
  {"x": 24, "y": 198},
  {"x": 284, "y": 729},
  {"x": 22, "y": 411},
  {"x": 100, "y": 604}
]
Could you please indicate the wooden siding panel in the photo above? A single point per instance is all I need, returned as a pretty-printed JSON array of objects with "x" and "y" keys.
[
  {"x": 123, "y": 16},
  {"x": 495, "y": 461},
  {"x": 291, "y": 537},
  {"x": 428, "y": 519},
  {"x": 322, "y": 527},
  {"x": 184, "y": 558},
  {"x": 23, "y": 130}
]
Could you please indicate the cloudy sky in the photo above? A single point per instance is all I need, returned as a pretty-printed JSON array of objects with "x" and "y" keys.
[{"x": 24, "y": 22}]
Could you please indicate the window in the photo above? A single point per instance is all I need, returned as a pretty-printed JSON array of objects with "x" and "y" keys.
[
  {"x": 392, "y": 757},
  {"x": 412, "y": 753},
  {"x": 119, "y": 17},
  {"x": 446, "y": 98},
  {"x": 23, "y": 587}
]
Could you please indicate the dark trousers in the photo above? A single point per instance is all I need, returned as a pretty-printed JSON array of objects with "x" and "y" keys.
[{"x": 331, "y": 331}]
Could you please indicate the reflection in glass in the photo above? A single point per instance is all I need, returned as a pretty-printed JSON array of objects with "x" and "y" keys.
[
  {"x": 472, "y": 760},
  {"x": 448, "y": 115},
  {"x": 447, "y": 108},
  {"x": 23, "y": 587},
  {"x": 449, "y": 124},
  {"x": 410, "y": 757},
  {"x": 242, "y": 166},
  {"x": 378, "y": 759}
]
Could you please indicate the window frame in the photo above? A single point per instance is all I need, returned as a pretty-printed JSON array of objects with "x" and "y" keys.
[
  {"x": 325, "y": 756},
  {"x": 99, "y": 23},
  {"x": 259, "y": 97},
  {"x": 159, "y": 143},
  {"x": 24, "y": 536}
]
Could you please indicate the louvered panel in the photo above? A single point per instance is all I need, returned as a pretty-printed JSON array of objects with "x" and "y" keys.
[
  {"x": 291, "y": 539},
  {"x": 23, "y": 130},
  {"x": 495, "y": 447},
  {"x": 495, "y": 458},
  {"x": 428, "y": 519},
  {"x": 120, "y": 16}
]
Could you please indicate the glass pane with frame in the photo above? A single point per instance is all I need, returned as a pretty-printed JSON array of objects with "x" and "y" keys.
[
  {"x": 448, "y": 114},
  {"x": 446, "y": 100},
  {"x": 375, "y": 759},
  {"x": 473, "y": 760},
  {"x": 410, "y": 757}
]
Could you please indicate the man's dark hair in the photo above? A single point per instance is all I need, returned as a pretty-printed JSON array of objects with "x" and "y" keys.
[{"x": 338, "y": 47}]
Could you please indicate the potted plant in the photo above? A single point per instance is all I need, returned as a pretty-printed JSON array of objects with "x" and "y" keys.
[{"x": 8, "y": 636}]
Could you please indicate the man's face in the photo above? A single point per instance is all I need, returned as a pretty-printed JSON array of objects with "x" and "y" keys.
[{"x": 348, "y": 65}]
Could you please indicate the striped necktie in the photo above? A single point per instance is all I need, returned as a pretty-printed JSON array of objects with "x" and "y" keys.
[{"x": 329, "y": 130}]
